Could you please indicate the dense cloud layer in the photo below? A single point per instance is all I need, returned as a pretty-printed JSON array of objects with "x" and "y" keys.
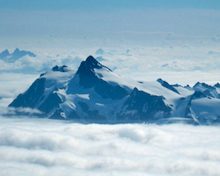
[{"x": 47, "y": 147}]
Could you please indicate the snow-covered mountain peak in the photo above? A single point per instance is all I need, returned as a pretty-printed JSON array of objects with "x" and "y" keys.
[
  {"x": 208, "y": 90},
  {"x": 91, "y": 61},
  {"x": 92, "y": 74},
  {"x": 88, "y": 74},
  {"x": 204, "y": 85},
  {"x": 96, "y": 94}
]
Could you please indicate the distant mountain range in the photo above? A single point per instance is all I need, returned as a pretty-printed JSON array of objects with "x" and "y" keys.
[
  {"x": 17, "y": 54},
  {"x": 95, "y": 94}
]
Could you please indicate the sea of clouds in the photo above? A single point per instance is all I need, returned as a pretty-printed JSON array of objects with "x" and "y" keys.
[{"x": 49, "y": 147}]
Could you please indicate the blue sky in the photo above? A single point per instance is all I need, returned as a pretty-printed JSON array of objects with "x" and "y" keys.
[
  {"x": 107, "y": 4},
  {"x": 146, "y": 21}
]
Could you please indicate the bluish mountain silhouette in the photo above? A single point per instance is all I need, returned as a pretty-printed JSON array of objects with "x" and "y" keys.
[{"x": 17, "y": 54}]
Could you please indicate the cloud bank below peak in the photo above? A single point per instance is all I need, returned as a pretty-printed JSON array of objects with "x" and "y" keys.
[{"x": 53, "y": 147}]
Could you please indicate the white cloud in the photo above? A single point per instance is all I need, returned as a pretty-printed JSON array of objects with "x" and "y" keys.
[{"x": 62, "y": 148}]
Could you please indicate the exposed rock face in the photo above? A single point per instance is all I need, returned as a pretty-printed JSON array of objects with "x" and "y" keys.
[
  {"x": 88, "y": 78},
  {"x": 32, "y": 96},
  {"x": 167, "y": 85},
  {"x": 143, "y": 107}
]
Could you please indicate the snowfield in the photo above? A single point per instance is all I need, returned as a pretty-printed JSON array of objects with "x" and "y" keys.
[{"x": 48, "y": 147}]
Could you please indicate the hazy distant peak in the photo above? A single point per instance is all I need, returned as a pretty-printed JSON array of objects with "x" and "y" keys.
[
  {"x": 100, "y": 51},
  {"x": 16, "y": 51},
  {"x": 4, "y": 54},
  {"x": 17, "y": 54}
]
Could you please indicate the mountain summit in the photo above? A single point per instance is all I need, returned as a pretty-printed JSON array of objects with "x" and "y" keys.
[
  {"x": 91, "y": 75},
  {"x": 88, "y": 66},
  {"x": 17, "y": 54},
  {"x": 96, "y": 94}
]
